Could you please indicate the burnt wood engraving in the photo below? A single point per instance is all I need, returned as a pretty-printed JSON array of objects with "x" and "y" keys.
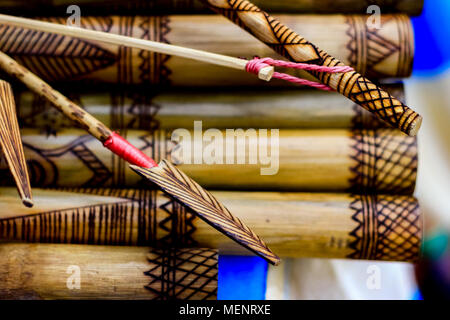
[
  {"x": 294, "y": 47},
  {"x": 183, "y": 274},
  {"x": 11, "y": 143},
  {"x": 387, "y": 228}
]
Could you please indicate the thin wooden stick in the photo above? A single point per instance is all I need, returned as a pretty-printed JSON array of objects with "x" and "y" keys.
[
  {"x": 11, "y": 143},
  {"x": 294, "y": 47},
  {"x": 52, "y": 271},
  {"x": 164, "y": 48},
  {"x": 186, "y": 190}
]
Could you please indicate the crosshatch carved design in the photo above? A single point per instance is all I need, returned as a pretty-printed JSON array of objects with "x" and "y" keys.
[
  {"x": 387, "y": 228},
  {"x": 183, "y": 274}
]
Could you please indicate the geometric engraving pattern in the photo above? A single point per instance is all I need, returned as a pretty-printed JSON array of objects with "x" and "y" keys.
[
  {"x": 369, "y": 47},
  {"x": 139, "y": 217},
  {"x": 183, "y": 274},
  {"x": 384, "y": 160},
  {"x": 50, "y": 161},
  {"x": 388, "y": 228}
]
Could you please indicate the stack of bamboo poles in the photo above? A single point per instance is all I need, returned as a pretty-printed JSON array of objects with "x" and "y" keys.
[{"x": 343, "y": 183}]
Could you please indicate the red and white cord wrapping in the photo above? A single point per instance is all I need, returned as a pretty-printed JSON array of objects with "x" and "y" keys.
[
  {"x": 256, "y": 64},
  {"x": 128, "y": 152}
]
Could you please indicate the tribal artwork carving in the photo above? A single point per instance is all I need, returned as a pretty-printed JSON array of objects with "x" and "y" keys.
[
  {"x": 363, "y": 119},
  {"x": 387, "y": 228},
  {"x": 370, "y": 47},
  {"x": 294, "y": 47},
  {"x": 383, "y": 161},
  {"x": 134, "y": 217},
  {"x": 183, "y": 274},
  {"x": 95, "y": 165},
  {"x": 61, "y": 58}
]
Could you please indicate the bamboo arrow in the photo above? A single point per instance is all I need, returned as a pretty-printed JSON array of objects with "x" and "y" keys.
[
  {"x": 294, "y": 47},
  {"x": 11, "y": 143},
  {"x": 166, "y": 176}
]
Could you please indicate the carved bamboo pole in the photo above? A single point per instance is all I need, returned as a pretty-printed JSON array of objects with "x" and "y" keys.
[
  {"x": 379, "y": 227},
  {"x": 380, "y": 161},
  {"x": 294, "y": 47},
  {"x": 120, "y": 108},
  {"x": 52, "y": 271}
]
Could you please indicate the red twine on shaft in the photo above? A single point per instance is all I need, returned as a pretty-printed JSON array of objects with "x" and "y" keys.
[
  {"x": 128, "y": 152},
  {"x": 256, "y": 64}
]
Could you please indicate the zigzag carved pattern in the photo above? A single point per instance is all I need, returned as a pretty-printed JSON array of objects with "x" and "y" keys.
[
  {"x": 388, "y": 228},
  {"x": 183, "y": 274}
]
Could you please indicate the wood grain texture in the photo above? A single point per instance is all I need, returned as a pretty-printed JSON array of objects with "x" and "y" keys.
[
  {"x": 48, "y": 271},
  {"x": 11, "y": 143},
  {"x": 293, "y": 224},
  {"x": 120, "y": 108},
  {"x": 152, "y": 7},
  {"x": 333, "y": 160},
  {"x": 296, "y": 48},
  {"x": 206, "y": 206},
  {"x": 386, "y": 52}
]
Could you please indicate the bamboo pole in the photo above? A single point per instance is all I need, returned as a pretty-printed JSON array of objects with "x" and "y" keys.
[
  {"x": 120, "y": 108},
  {"x": 377, "y": 227},
  {"x": 152, "y": 7},
  {"x": 51, "y": 271},
  {"x": 378, "y": 53},
  {"x": 382, "y": 161},
  {"x": 296, "y": 48}
]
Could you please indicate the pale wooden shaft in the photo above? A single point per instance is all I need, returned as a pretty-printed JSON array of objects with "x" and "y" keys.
[
  {"x": 69, "y": 108},
  {"x": 209, "y": 57}
]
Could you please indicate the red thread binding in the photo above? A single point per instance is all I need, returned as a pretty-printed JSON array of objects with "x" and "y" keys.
[
  {"x": 256, "y": 64},
  {"x": 128, "y": 152}
]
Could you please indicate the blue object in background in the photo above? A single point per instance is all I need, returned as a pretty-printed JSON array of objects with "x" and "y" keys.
[
  {"x": 432, "y": 35},
  {"x": 242, "y": 278}
]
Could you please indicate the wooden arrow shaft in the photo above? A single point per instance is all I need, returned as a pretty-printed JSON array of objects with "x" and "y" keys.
[
  {"x": 294, "y": 47},
  {"x": 11, "y": 143}
]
